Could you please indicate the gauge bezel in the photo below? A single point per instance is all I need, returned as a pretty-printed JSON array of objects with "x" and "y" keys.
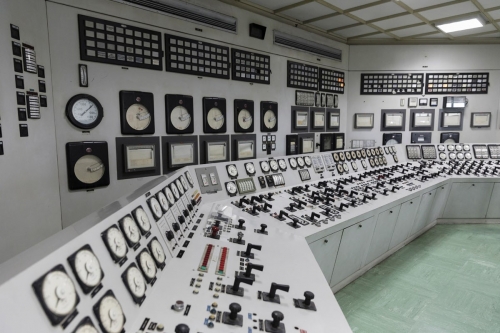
[
  {"x": 96, "y": 307},
  {"x": 76, "y": 123},
  {"x": 138, "y": 261},
  {"x": 104, "y": 236},
  {"x": 130, "y": 242},
  {"x": 72, "y": 263},
  {"x": 160, "y": 265},
  {"x": 134, "y": 214},
  {"x": 137, "y": 300}
]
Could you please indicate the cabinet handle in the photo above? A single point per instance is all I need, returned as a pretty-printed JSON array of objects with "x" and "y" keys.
[
  {"x": 442, "y": 188},
  {"x": 430, "y": 193},
  {"x": 390, "y": 212},
  {"x": 473, "y": 184},
  {"x": 361, "y": 226},
  {"x": 326, "y": 240},
  {"x": 411, "y": 203}
]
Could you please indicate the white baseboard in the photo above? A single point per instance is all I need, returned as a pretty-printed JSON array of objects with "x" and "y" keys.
[{"x": 468, "y": 221}]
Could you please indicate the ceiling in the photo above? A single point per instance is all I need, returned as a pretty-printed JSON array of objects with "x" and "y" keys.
[{"x": 358, "y": 22}]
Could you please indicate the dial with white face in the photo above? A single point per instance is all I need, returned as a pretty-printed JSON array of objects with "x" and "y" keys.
[
  {"x": 138, "y": 117},
  {"x": 130, "y": 229},
  {"x": 116, "y": 242},
  {"x": 58, "y": 293},
  {"x": 215, "y": 118},
  {"x": 441, "y": 147},
  {"x": 380, "y": 151},
  {"x": 373, "y": 151},
  {"x": 468, "y": 156},
  {"x": 458, "y": 148},
  {"x": 163, "y": 201},
  {"x": 466, "y": 148},
  {"x": 384, "y": 159},
  {"x": 363, "y": 163},
  {"x": 155, "y": 207},
  {"x": 395, "y": 158},
  {"x": 358, "y": 154},
  {"x": 347, "y": 155},
  {"x": 180, "y": 118},
  {"x": 453, "y": 156},
  {"x": 342, "y": 156},
  {"x": 142, "y": 218},
  {"x": 354, "y": 166},
  {"x": 372, "y": 163},
  {"x": 84, "y": 111},
  {"x": 368, "y": 153},
  {"x": 157, "y": 251},
  {"x": 340, "y": 168},
  {"x": 179, "y": 186},
  {"x": 87, "y": 328},
  {"x": 170, "y": 195},
  {"x": 135, "y": 281},
  {"x": 300, "y": 162},
  {"x": 293, "y": 162},
  {"x": 244, "y": 119},
  {"x": 336, "y": 157},
  {"x": 184, "y": 183},
  {"x": 175, "y": 191},
  {"x": 363, "y": 153},
  {"x": 147, "y": 264},
  {"x": 442, "y": 156},
  {"x": 460, "y": 156},
  {"x": 265, "y": 166},
  {"x": 451, "y": 147},
  {"x": 269, "y": 119},
  {"x": 250, "y": 168},
  {"x": 282, "y": 164},
  {"x": 307, "y": 161},
  {"x": 232, "y": 171},
  {"x": 346, "y": 167},
  {"x": 189, "y": 178},
  {"x": 274, "y": 165},
  {"x": 231, "y": 188},
  {"x": 89, "y": 169},
  {"x": 111, "y": 315},
  {"x": 88, "y": 268}
]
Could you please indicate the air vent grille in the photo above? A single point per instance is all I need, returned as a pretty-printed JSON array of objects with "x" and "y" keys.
[{"x": 286, "y": 40}]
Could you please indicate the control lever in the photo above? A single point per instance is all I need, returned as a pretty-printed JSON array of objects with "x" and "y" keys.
[
  {"x": 313, "y": 215},
  {"x": 248, "y": 253},
  {"x": 255, "y": 198},
  {"x": 307, "y": 188},
  {"x": 275, "y": 326},
  {"x": 353, "y": 193},
  {"x": 294, "y": 223},
  {"x": 239, "y": 240},
  {"x": 182, "y": 219},
  {"x": 248, "y": 271},
  {"x": 242, "y": 201},
  {"x": 271, "y": 295},
  {"x": 255, "y": 209},
  {"x": 394, "y": 188},
  {"x": 368, "y": 188},
  {"x": 373, "y": 196},
  {"x": 240, "y": 224},
  {"x": 291, "y": 207},
  {"x": 235, "y": 289},
  {"x": 385, "y": 191},
  {"x": 176, "y": 226},
  {"x": 266, "y": 206},
  {"x": 182, "y": 328},
  {"x": 306, "y": 303},
  {"x": 342, "y": 206},
  {"x": 270, "y": 196},
  {"x": 365, "y": 197},
  {"x": 263, "y": 229},
  {"x": 282, "y": 213},
  {"x": 233, "y": 318}
]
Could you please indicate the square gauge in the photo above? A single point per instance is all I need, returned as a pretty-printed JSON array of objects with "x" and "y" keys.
[
  {"x": 87, "y": 165},
  {"x": 333, "y": 120},
  {"x": 393, "y": 120},
  {"x": 452, "y": 119},
  {"x": 339, "y": 141},
  {"x": 434, "y": 102},
  {"x": 363, "y": 120},
  {"x": 216, "y": 152},
  {"x": 245, "y": 149},
  {"x": 139, "y": 157},
  {"x": 214, "y": 115},
  {"x": 137, "y": 112},
  {"x": 179, "y": 114},
  {"x": 480, "y": 119},
  {"x": 243, "y": 116},
  {"x": 318, "y": 119},
  {"x": 301, "y": 119},
  {"x": 181, "y": 154},
  {"x": 307, "y": 145},
  {"x": 422, "y": 119}
]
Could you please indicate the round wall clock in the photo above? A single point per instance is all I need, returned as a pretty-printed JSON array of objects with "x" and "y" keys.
[{"x": 84, "y": 111}]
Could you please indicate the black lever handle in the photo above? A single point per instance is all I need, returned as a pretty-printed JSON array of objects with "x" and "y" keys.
[
  {"x": 250, "y": 246},
  {"x": 274, "y": 287}
]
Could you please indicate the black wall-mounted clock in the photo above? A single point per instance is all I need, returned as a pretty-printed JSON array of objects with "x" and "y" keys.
[
  {"x": 243, "y": 116},
  {"x": 179, "y": 114},
  {"x": 137, "y": 112},
  {"x": 84, "y": 111},
  {"x": 87, "y": 164},
  {"x": 268, "y": 116},
  {"x": 214, "y": 115}
]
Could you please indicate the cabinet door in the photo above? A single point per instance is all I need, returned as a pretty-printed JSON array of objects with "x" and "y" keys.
[
  {"x": 439, "y": 203},
  {"x": 423, "y": 212},
  {"x": 405, "y": 221},
  {"x": 352, "y": 251},
  {"x": 325, "y": 251},
  {"x": 468, "y": 200},
  {"x": 494, "y": 209},
  {"x": 382, "y": 235}
]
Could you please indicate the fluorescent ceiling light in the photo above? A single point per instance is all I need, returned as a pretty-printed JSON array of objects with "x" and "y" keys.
[{"x": 464, "y": 24}]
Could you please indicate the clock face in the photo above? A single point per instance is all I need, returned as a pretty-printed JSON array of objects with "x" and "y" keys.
[
  {"x": 180, "y": 118},
  {"x": 282, "y": 164},
  {"x": 215, "y": 118},
  {"x": 110, "y": 314},
  {"x": 232, "y": 171},
  {"x": 84, "y": 111},
  {"x": 138, "y": 117},
  {"x": 245, "y": 119},
  {"x": 274, "y": 165}
]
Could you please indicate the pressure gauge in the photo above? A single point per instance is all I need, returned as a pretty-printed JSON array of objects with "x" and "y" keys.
[
  {"x": 300, "y": 162},
  {"x": 336, "y": 157},
  {"x": 264, "y": 166},
  {"x": 84, "y": 111},
  {"x": 340, "y": 168},
  {"x": 163, "y": 201},
  {"x": 189, "y": 178},
  {"x": 376, "y": 161},
  {"x": 373, "y": 151},
  {"x": 86, "y": 326},
  {"x": 368, "y": 153},
  {"x": 293, "y": 162},
  {"x": 231, "y": 188},
  {"x": 131, "y": 230},
  {"x": 442, "y": 156},
  {"x": 372, "y": 163},
  {"x": 274, "y": 165},
  {"x": 184, "y": 183},
  {"x": 158, "y": 253},
  {"x": 342, "y": 156},
  {"x": 215, "y": 119},
  {"x": 250, "y": 168},
  {"x": 358, "y": 154},
  {"x": 179, "y": 186},
  {"x": 451, "y": 147},
  {"x": 363, "y": 153},
  {"x": 363, "y": 163},
  {"x": 147, "y": 265},
  {"x": 89, "y": 169},
  {"x": 232, "y": 171},
  {"x": 269, "y": 120},
  {"x": 466, "y": 147},
  {"x": 87, "y": 268},
  {"x": 170, "y": 195},
  {"x": 380, "y": 151},
  {"x": 245, "y": 119},
  {"x": 110, "y": 313},
  {"x": 441, "y": 147},
  {"x": 282, "y": 164},
  {"x": 395, "y": 158},
  {"x": 354, "y": 166},
  {"x": 135, "y": 283},
  {"x": 458, "y": 148},
  {"x": 142, "y": 219},
  {"x": 179, "y": 114},
  {"x": 385, "y": 160},
  {"x": 175, "y": 191},
  {"x": 214, "y": 113},
  {"x": 346, "y": 167},
  {"x": 453, "y": 156},
  {"x": 155, "y": 208},
  {"x": 115, "y": 242},
  {"x": 348, "y": 155},
  {"x": 180, "y": 118},
  {"x": 468, "y": 156},
  {"x": 460, "y": 156},
  {"x": 138, "y": 117},
  {"x": 307, "y": 161}
]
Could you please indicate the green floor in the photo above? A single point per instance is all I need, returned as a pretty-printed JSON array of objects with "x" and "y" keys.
[{"x": 447, "y": 280}]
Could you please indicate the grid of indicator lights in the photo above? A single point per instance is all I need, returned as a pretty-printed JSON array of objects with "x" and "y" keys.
[
  {"x": 251, "y": 67},
  {"x": 472, "y": 83},
  {"x": 494, "y": 151},
  {"x": 305, "y": 98},
  {"x": 302, "y": 76},
  {"x": 329, "y": 101},
  {"x": 190, "y": 56},
  {"x": 391, "y": 84},
  {"x": 111, "y": 42},
  {"x": 481, "y": 152},
  {"x": 331, "y": 81}
]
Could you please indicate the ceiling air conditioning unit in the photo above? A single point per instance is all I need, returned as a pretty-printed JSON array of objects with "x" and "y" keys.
[
  {"x": 187, "y": 11},
  {"x": 301, "y": 44}
]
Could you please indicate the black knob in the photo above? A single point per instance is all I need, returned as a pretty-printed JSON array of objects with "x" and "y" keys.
[
  {"x": 215, "y": 230},
  {"x": 176, "y": 226},
  {"x": 277, "y": 318},
  {"x": 240, "y": 236},
  {"x": 295, "y": 221},
  {"x": 263, "y": 228},
  {"x": 309, "y": 296},
  {"x": 235, "y": 308},
  {"x": 170, "y": 235},
  {"x": 182, "y": 220},
  {"x": 185, "y": 212},
  {"x": 193, "y": 202},
  {"x": 190, "y": 207},
  {"x": 240, "y": 223},
  {"x": 182, "y": 328}
]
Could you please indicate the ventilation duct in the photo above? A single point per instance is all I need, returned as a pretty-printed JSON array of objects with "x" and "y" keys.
[{"x": 301, "y": 44}]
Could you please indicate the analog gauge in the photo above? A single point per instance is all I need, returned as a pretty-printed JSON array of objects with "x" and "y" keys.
[
  {"x": 89, "y": 169},
  {"x": 245, "y": 119},
  {"x": 363, "y": 163},
  {"x": 170, "y": 195},
  {"x": 147, "y": 264},
  {"x": 180, "y": 118},
  {"x": 391, "y": 142},
  {"x": 442, "y": 156},
  {"x": 358, "y": 154},
  {"x": 189, "y": 178},
  {"x": 293, "y": 162},
  {"x": 138, "y": 117},
  {"x": 348, "y": 155},
  {"x": 453, "y": 156},
  {"x": 468, "y": 156},
  {"x": 346, "y": 167},
  {"x": 460, "y": 156},
  {"x": 441, "y": 147},
  {"x": 143, "y": 220},
  {"x": 376, "y": 161},
  {"x": 163, "y": 201},
  {"x": 84, "y": 111},
  {"x": 250, "y": 168},
  {"x": 307, "y": 161},
  {"x": 269, "y": 119},
  {"x": 231, "y": 188},
  {"x": 363, "y": 153},
  {"x": 368, "y": 153},
  {"x": 451, "y": 147},
  {"x": 282, "y": 164},
  {"x": 373, "y": 151},
  {"x": 155, "y": 207},
  {"x": 300, "y": 162},
  {"x": 354, "y": 166},
  {"x": 386, "y": 150},
  {"x": 131, "y": 230},
  {"x": 179, "y": 186},
  {"x": 86, "y": 326},
  {"x": 395, "y": 158},
  {"x": 336, "y": 157},
  {"x": 393, "y": 149},
  {"x": 384, "y": 160},
  {"x": 372, "y": 163},
  {"x": 135, "y": 283},
  {"x": 274, "y": 165},
  {"x": 215, "y": 118},
  {"x": 380, "y": 151},
  {"x": 87, "y": 268},
  {"x": 184, "y": 183},
  {"x": 175, "y": 191},
  {"x": 158, "y": 252},
  {"x": 380, "y": 160},
  {"x": 340, "y": 168},
  {"x": 466, "y": 148},
  {"x": 232, "y": 171},
  {"x": 342, "y": 156},
  {"x": 110, "y": 313},
  {"x": 116, "y": 242},
  {"x": 264, "y": 166},
  {"x": 458, "y": 148}
]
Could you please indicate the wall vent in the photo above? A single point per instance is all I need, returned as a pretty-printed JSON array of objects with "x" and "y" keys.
[{"x": 301, "y": 44}]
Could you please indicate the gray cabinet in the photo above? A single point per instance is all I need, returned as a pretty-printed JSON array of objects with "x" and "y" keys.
[
  {"x": 468, "y": 200},
  {"x": 494, "y": 208},
  {"x": 382, "y": 235},
  {"x": 424, "y": 211},
  {"x": 352, "y": 251},
  {"x": 439, "y": 203},
  {"x": 405, "y": 221},
  {"x": 325, "y": 251}
]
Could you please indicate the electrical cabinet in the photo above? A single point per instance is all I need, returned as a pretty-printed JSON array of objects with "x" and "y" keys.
[
  {"x": 325, "y": 251},
  {"x": 468, "y": 200},
  {"x": 439, "y": 203},
  {"x": 405, "y": 221},
  {"x": 386, "y": 222},
  {"x": 494, "y": 208},
  {"x": 424, "y": 211}
]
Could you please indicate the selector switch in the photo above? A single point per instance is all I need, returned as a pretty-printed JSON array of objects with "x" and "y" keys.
[
  {"x": 233, "y": 318},
  {"x": 214, "y": 232},
  {"x": 248, "y": 271},
  {"x": 276, "y": 325},
  {"x": 262, "y": 230},
  {"x": 235, "y": 289},
  {"x": 305, "y": 303},
  {"x": 271, "y": 295},
  {"x": 170, "y": 235},
  {"x": 248, "y": 253},
  {"x": 240, "y": 225},
  {"x": 182, "y": 328}
]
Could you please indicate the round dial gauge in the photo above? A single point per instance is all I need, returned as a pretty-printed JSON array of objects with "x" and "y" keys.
[
  {"x": 442, "y": 156},
  {"x": 147, "y": 264},
  {"x": 245, "y": 119},
  {"x": 354, "y": 166},
  {"x": 300, "y": 162},
  {"x": 368, "y": 153},
  {"x": 89, "y": 169},
  {"x": 358, "y": 154},
  {"x": 180, "y": 118},
  {"x": 131, "y": 229},
  {"x": 269, "y": 119},
  {"x": 163, "y": 201},
  {"x": 336, "y": 157},
  {"x": 232, "y": 171},
  {"x": 274, "y": 165},
  {"x": 372, "y": 163},
  {"x": 250, "y": 168},
  {"x": 111, "y": 315},
  {"x": 453, "y": 156},
  {"x": 293, "y": 162},
  {"x": 87, "y": 268},
  {"x": 346, "y": 167},
  {"x": 466, "y": 148},
  {"x": 157, "y": 251},
  {"x": 282, "y": 164},
  {"x": 340, "y": 168},
  {"x": 184, "y": 183},
  {"x": 363, "y": 163},
  {"x": 384, "y": 160},
  {"x": 373, "y": 151},
  {"x": 215, "y": 118},
  {"x": 460, "y": 156},
  {"x": 58, "y": 293},
  {"x": 363, "y": 153},
  {"x": 179, "y": 186},
  {"x": 135, "y": 282},
  {"x": 458, "y": 148},
  {"x": 381, "y": 160},
  {"x": 451, "y": 147},
  {"x": 116, "y": 242},
  {"x": 376, "y": 161},
  {"x": 231, "y": 188},
  {"x": 307, "y": 161},
  {"x": 468, "y": 156},
  {"x": 175, "y": 191},
  {"x": 380, "y": 151},
  {"x": 353, "y": 155},
  {"x": 395, "y": 158},
  {"x": 265, "y": 166},
  {"x": 441, "y": 147},
  {"x": 170, "y": 195},
  {"x": 342, "y": 156},
  {"x": 391, "y": 142},
  {"x": 84, "y": 111},
  {"x": 142, "y": 218},
  {"x": 189, "y": 178},
  {"x": 155, "y": 207},
  {"x": 87, "y": 328},
  {"x": 348, "y": 155},
  {"x": 138, "y": 117}
]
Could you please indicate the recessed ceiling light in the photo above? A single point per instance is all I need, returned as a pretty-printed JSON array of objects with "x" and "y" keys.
[{"x": 462, "y": 24}]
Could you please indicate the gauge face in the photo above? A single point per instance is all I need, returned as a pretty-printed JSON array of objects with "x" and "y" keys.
[
  {"x": 163, "y": 201},
  {"x": 265, "y": 166},
  {"x": 88, "y": 268},
  {"x": 384, "y": 160},
  {"x": 138, "y": 117},
  {"x": 189, "y": 178},
  {"x": 131, "y": 229},
  {"x": 87, "y": 328},
  {"x": 116, "y": 242},
  {"x": 391, "y": 142},
  {"x": 184, "y": 183},
  {"x": 376, "y": 161},
  {"x": 157, "y": 251},
  {"x": 363, "y": 163},
  {"x": 451, "y": 147},
  {"x": 135, "y": 282},
  {"x": 232, "y": 171},
  {"x": 346, "y": 167},
  {"x": 368, "y": 153},
  {"x": 466, "y": 148},
  {"x": 274, "y": 165},
  {"x": 395, "y": 158},
  {"x": 58, "y": 293},
  {"x": 175, "y": 191},
  {"x": 231, "y": 188},
  {"x": 453, "y": 156},
  {"x": 300, "y": 162},
  {"x": 179, "y": 186},
  {"x": 363, "y": 153},
  {"x": 358, "y": 154},
  {"x": 342, "y": 156},
  {"x": 354, "y": 166},
  {"x": 282, "y": 164},
  {"x": 111, "y": 315},
  {"x": 143, "y": 219},
  {"x": 458, "y": 148},
  {"x": 269, "y": 119},
  {"x": 155, "y": 207},
  {"x": 215, "y": 118},
  {"x": 336, "y": 157},
  {"x": 307, "y": 161},
  {"x": 245, "y": 119},
  {"x": 340, "y": 168},
  {"x": 293, "y": 162},
  {"x": 468, "y": 156},
  {"x": 372, "y": 163},
  {"x": 170, "y": 195},
  {"x": 442, "y": 156},
  {"x": 85, "y": 111},
  {"x": 89, "y": 169},
  {"x": 441, "y": 147},
  {"x": 180, "y": 118},
  {"x": 347, "y": 155},
  {"x": 380, "y": 151},
  {"x": 147, "y": 264},
  {"x": 250, "y": 168},
  {"x": 460, "y": 156},
  {"x": 373, "y": 151}
]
